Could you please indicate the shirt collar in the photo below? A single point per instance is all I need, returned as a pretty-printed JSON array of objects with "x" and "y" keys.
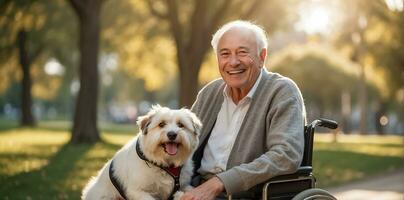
[{"x": 250, "y": 94}]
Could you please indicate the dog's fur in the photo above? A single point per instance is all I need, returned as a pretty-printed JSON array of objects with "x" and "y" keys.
[{"x": 144, "y": 181}]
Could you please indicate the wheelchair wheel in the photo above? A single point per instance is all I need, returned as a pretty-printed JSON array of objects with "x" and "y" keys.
[{"x": 314, "y": 194}]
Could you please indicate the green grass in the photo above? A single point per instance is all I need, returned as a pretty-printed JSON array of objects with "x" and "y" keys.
[
  {"x": 38, "y": 163},
  {"x": 355, "y": 157},
  {"x": 6, "y": 124}
]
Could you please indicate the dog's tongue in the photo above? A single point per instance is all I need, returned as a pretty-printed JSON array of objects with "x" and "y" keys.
[{"x": 171, "y": 148}]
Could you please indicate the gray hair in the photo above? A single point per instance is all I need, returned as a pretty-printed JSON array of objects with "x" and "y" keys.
[{"x": 259, "y": 32}]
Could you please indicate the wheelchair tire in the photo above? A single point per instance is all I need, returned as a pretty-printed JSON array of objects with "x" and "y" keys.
[{"x": 314, "y": 194}]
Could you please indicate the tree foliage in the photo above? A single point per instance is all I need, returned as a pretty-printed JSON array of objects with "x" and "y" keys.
[
  {"x": 42, "y": 21},
  {"x": 321, "y": 73},
  {"x": 381, "y": 34}
]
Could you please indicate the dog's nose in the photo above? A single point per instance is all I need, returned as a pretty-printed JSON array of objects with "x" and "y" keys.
[{"x": 171, "y": 135}]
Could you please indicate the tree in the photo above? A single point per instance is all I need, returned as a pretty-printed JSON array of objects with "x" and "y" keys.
[
  {"x": 26, "y": 58},
  {"x": 389, "y": 52},
  {"x": 300, "y": 61},
  {"x": 85, "y": 116},
  {"x": 28, "y": 50},
  {"x": 374, "y": 33},
  {"x": 43, "y": 31},
  {"x": 388, "y": 48}
]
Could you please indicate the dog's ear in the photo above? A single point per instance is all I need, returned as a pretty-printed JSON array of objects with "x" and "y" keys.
[
  {"x": 196, "y": 123},
  {"x": 144, "y": 121}
]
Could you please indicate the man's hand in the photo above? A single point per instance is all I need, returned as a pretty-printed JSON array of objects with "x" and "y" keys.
[{"x": 207, "y": 191}]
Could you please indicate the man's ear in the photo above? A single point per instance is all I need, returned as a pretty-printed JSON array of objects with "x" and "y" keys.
[{"x": 263, "y": 55}]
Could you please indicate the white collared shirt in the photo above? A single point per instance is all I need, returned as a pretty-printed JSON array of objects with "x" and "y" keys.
[{"x": 224, "y": 133}]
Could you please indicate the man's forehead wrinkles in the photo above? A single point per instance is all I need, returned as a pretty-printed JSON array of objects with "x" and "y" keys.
[{"x": 237, "y": 48}]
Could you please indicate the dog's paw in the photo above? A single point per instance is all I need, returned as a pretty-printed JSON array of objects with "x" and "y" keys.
[{"x": 178, "y": 195}]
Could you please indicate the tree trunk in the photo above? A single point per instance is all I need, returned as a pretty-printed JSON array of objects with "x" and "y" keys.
[
  {"x": 359, "y": 50},
  {"x": 363, "y": 99},
  {"x": 27, "y": 118},
  {"x": 346, "y": 112},
  {"x": 190, "y": 61},
  {"x": 85, "y": 116},
  {"x": 188, "y": 85}
]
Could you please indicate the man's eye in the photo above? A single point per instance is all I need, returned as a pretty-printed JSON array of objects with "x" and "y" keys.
[
  {"x": 242, "y": 53},
  {"x": 162, "y": 124},
  {"x": 224, "y": 54}
]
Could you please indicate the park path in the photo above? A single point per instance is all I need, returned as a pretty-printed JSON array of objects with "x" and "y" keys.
[{"x": 388, "y": 186}]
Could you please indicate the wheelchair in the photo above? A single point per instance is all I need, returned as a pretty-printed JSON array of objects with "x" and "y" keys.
[{"x": 301, "y": 184}]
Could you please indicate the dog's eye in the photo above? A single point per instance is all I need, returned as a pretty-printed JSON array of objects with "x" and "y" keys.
[
  {"x": 162, "y": 124},
  {"x": 179, "y": 124}
]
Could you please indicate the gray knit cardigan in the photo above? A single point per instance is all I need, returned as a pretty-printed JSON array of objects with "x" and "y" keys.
[{"x": 270, "y": 141}]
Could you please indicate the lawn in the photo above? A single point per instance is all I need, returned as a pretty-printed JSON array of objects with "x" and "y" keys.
[
  {"x": 355, "y": 157},
  {"x": 39, "y": 164}
]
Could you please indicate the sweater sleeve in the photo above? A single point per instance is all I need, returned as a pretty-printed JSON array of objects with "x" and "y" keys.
[{"x": 285, "y": 142}]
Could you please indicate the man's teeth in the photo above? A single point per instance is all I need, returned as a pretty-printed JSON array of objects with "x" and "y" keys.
[{"x": 236, "y": 71}]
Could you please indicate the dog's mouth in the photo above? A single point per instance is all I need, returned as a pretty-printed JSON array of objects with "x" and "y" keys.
[{"x": 171, "y": 148}]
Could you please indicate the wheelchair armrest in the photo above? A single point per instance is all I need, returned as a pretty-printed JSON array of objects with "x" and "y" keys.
[
  {"x": 304, "y": 170},
  {"x": 301, "y": 171}
]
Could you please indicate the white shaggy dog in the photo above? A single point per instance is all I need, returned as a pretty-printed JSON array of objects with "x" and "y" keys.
[{"x": 151, "y": 165}]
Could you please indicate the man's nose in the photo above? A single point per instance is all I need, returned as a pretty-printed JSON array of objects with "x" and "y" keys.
[{"x": 234, "y": 60}]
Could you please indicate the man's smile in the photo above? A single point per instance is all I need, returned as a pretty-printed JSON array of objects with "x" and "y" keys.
[{"x": 233, "y": 72}]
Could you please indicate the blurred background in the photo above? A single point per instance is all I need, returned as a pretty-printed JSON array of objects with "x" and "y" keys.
[
  {"x": 346, "y": 56},
  {"x": 90, "y": 66}
]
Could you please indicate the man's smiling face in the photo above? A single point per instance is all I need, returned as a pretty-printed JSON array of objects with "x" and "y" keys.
[{"x": 239, "y": 60}]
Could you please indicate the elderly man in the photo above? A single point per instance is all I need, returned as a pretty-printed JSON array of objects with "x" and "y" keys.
[{"x": 253, "y": 120}]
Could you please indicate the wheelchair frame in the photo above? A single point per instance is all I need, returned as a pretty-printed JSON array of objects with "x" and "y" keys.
[{"x": 300, "y": 184}]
